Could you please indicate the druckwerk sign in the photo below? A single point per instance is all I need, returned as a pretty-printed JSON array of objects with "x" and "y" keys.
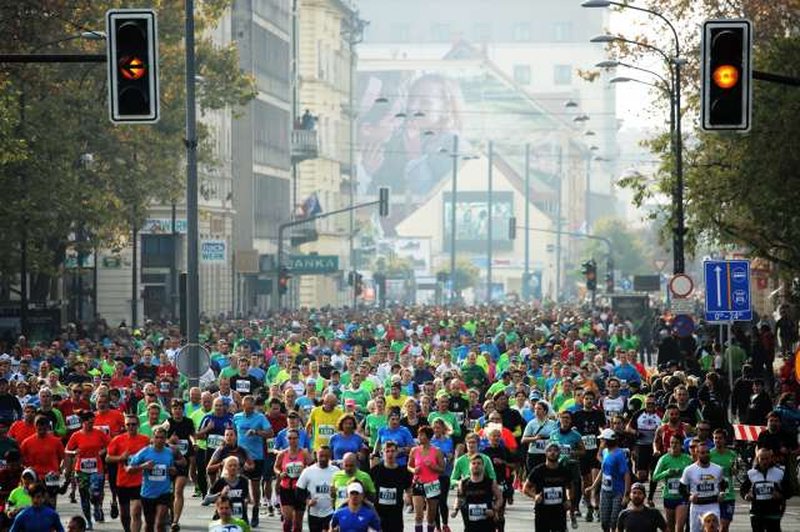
[{"x": 313, "y": 264}]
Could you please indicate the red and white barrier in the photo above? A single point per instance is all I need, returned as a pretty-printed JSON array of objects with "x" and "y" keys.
[{"x": 748, "y": 432}]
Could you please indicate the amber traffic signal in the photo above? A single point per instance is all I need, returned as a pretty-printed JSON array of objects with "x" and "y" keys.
[
  {"x": 727, "y": 75},
  {"x": 132, "y": 65}
]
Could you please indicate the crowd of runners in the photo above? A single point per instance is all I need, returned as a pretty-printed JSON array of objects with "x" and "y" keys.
[{"x": 354, "y": 420}]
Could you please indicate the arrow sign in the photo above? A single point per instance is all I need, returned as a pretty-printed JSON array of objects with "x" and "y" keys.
[{"x": 727, "y": 291}]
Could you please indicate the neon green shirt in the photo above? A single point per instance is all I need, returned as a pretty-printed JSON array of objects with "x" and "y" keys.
[{"x": 669, "y": 469}]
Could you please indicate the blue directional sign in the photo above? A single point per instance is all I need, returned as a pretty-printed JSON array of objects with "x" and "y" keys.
[{"x": 727, "y": 290}]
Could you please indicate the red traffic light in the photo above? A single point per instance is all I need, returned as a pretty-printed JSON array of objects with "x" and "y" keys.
[
  {"x": 131, "y": 67},
  {"x": 725, "y": 76}
]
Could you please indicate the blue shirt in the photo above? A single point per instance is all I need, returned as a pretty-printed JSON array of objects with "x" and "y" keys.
[
  {"x": 447, "y": 447},
  {"x": 42, "y": 519},
  {"x": 614, "y": 467},
  {"x": 401, "y": 436},
  {"x": 254, "y": 445},
  {"x": 341, "y": 444},
  {"x": 281, "y": 442},
  {"x": 359, "y": 521},
  {"x": 627, "y": 372},
  {"x": 155, "y": 482}
]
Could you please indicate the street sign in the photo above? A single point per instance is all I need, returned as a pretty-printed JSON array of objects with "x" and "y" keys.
[
  {"x": 683, "y": 325},
  {"x": 312, "y": 264},
  {"x": 626, "y": 284},
  {"x": 681, "y": 285},
  {"x": 681, "y": 305},
  {"x": 647, "y": 283},
  {"x": 659, "y": 264},
  {"x": 727, "y": 290}
]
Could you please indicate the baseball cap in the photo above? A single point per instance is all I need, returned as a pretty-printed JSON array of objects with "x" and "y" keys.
[
  {"x": 551, "y": 445},
  {"x": 355, "y": 487},
  {"x": 608, "y": 434},
  {"x": 638, "y": 486}
]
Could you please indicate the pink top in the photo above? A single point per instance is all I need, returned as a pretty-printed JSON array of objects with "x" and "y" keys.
[{"x": 424, "y": 462}]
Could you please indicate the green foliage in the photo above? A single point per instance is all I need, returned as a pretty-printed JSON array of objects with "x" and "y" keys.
[
  {"x": 626, "y": 245},
  {"x": 467, "y": 274},
  {"x": 62, "y": 114}
]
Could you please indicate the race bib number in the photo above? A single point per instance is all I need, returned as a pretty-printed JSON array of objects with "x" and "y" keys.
[
  {"x": 477, "y": 512},
  {"x": 52, "y": 480},
  {"x": 326, "y": 431},
  {"x": 237, "y": 509},
  {"x": 214, "y": 441},
  {"x": 707, "y": 488},
  {"x": 553, "y": 495},
  {"x": 183, "y": 446},
  {"x": 341, "y": 493},
  {"x": 243, "y": 386},
  {"x": 88, "y": 465},
  {"x": 763, "y": 491},
  {"x": 323, "y": 490},
  {"x": 674, "y": 486},
  {"x": 270, "y": 445},
  {"x": 73, "y": 422},
  {"x": 163, "y": 386},
  {"x": 608, "y": 483},
  {"x": 539, "y": 446},
  {"x": 158, "y": 473},
  {"x": 294, "y": 469},
  {"x": 459, "y": 417},
  {"x": 590, "y": 442},
  {"x": 387, "y": 496},
  {"x": 566, "y": 450},
  {"x": 432, "y": 489}
]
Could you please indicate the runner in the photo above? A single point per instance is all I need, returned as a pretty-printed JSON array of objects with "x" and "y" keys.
[
  {"x": 112, "y": 422},
  {"x": 502, "y": 461},
  {"x": 478, "y": 498},
  {"x": 638, "y": 517},
  {"x": 589, "y": 422},
  {"x": 289, "y": 464},
  {"x": 253, "y": 429},
  {"x": 44, "y": 452},
  {"x": 550, "y": 486},
  {"x": 766, "y": 488},
  {"x": 158, "y": 462},
  {"x": 314, "y": 487},
  {"x": 703, "y": 483},
  {"x": 355, "y": 516},
  {"x": 180, "y": 434},
  {"x": 670, "y": 469},
  {"x": 537, "y": 434},
  {"x": 349, "y": 473},
  {"x": 212, "y": 430},
  {"x": 393, "y": 486},
  {"x": 233, "y": 485},
  {"x": 570, "y": 442},
  {"x": 39, "y": 516},
  {"x": 226, "y": 521},
  {"x": 726, "y": 459},
  {"x": 128, "y": 484},
  {"x": 426, "y": 462},
  {"x": 615, "y": 480},
  {"x": 84, "y": 453}
]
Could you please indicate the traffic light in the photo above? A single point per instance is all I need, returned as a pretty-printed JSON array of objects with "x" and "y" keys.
[
  {"x": 283, "y": 281},
  {"x": 512, "y": 228},
  {"x": 359, "y": 283},
  {"x": 609, "y": 283},
  {"x": 132, "y": 52},
  {"x": 589, "y": 270},
  {"x": 383, "y": 201},
  {"x": 726, "y": 73}
]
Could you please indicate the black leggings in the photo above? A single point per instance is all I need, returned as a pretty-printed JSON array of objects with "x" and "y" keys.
[
  {"x": 441, "y": 514},
  {"x": 762, "y": 524},
  {"x": 200, "y": 462}
]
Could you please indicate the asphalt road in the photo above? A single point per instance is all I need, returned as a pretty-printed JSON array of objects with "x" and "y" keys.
[{"x": 519, "y": 517}]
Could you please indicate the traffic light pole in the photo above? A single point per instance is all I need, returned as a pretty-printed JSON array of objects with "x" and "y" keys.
[{"x": 276, "y": 295}]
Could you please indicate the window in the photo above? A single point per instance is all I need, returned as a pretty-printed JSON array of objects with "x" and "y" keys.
[
  {"x": 440, "y": 33},
  {"x": 562, "y": 75},
  {"x": 271, "y": 62},
  {"x": 271, "y": 132},
  {"x": 157, "y": 251},
  {"x": 271, "y": 204},
  {"x": 400, "y": 32},
  {"x": 562, "y": 32},
  {"x": 482, "y": 32},
  {"x": 522, "y": 74},
  {"x": 521, "y": 32}
]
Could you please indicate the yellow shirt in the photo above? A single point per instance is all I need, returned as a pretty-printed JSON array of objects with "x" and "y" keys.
[
  {"x": 323, "y": 425},
  {"x": 391, "y": 402}
]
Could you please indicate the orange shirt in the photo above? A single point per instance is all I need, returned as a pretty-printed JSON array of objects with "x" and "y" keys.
[
  {"x": 112, "y": 422},
  {"x": 20, "y": 430},
  {"x": 44, "y": 455},
  {"x": 87, "y": 447},
  {"x": 120, "y": 444}
]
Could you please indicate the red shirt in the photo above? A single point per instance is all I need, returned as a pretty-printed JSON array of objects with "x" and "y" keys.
[
  {"x": 20, "y": 430},
  {"x": 44, "y": 455},
  {"x": 87, "y": 447},
  {"x": 68, "y": 407},
  {"x": 121, "y": 382},
  {"x": 120, "y": 444},
  {"x": 112, "y": 422}
]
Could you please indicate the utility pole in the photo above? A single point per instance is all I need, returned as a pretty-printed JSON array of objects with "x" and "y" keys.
[
  {"x": 453, "y": 193},
  {"x": 489, "y": 235},
  {"x": 526, "y": 276},
  {"x": 192, "y": 229},
  {"x": 560, "y": 178}
]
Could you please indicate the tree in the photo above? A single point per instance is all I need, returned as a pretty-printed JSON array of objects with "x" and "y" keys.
[
  {"x": 627, "y": 249},
  {"x": 738, "y": 188},
  {"x": 61, "y": 112},
  {"x": 467, "y": 274}
]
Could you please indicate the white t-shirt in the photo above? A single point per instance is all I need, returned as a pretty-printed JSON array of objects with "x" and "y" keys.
[
  {"x": 318, "y": 483},
  {"x": 703, "y": 481}
]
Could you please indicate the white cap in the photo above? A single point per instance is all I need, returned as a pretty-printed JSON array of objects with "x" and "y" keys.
[
  {"x": 355, "y": 487},
  {"x": 608, "y": 434}
]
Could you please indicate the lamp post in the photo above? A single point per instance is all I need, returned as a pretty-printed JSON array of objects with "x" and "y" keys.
[{"x": 675, "y": 64}]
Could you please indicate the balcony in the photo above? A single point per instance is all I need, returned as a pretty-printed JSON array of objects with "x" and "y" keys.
[{"x": 304, "y": 145}]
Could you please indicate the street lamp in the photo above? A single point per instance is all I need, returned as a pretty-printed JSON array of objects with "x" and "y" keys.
[
  {"x": 675, "y": 63},
  {"x": 615, "y": 64},
  {"x": 581, "y": 118}
]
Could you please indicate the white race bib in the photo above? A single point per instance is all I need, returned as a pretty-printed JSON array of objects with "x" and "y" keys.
[
  {"x": 432, "y": 489},
  {"x": 52, "y": 480},
  {"x": 158, "y": 473},
  {"x": 763, "y": 491},
  {"x": 73, "y": 422},
  {"x": 477, "y": 512},
  {"x": 88, "y": 465},
  {"x": 215, "y": 440},
  {"x": 707, "y": 488},
  {"x": 539, "y": 446},
  {"x": 589, "y": 442},
  {"x": 183, "y": 446},
  {"x": 387, "y": 496},
  {"x": 326, "y": 431},
  {"x": 553, "y": 495},
  {"x": 673, "y": 486},
  {"x": 608, "y": 483},
  {"x": 243, "y": 386}
]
